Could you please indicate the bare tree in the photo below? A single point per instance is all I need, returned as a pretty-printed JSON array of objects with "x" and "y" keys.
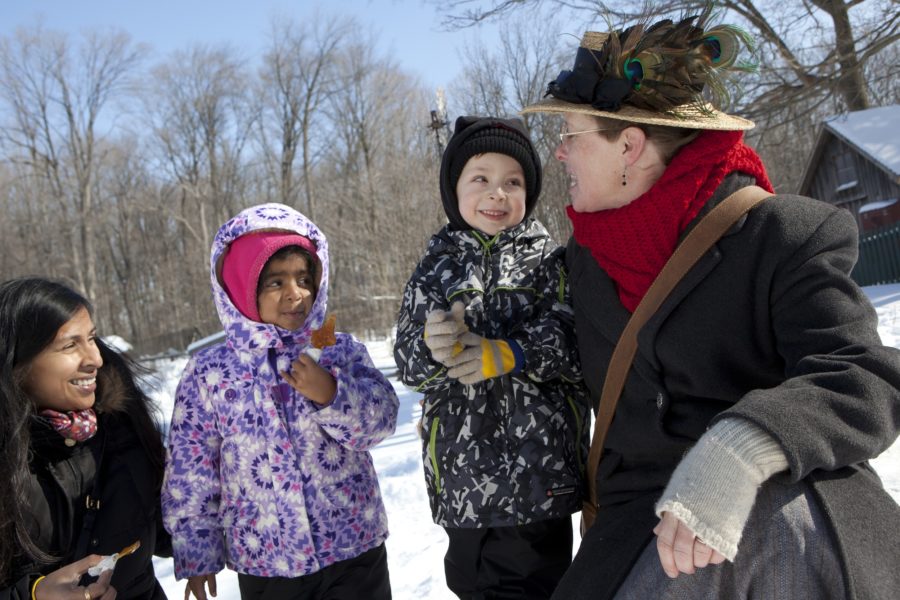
[
  {"x": 54, "y": 94},
  {"x": 380, "y": 178},
  {"x": 297, "y": 74},
  {"x": 883, "y": 77},
  {"x": 482, "y": 89},
  {"x": 501, "y": 78},
  {"x": 812, "y": 48},
  {"x": 26, "y": 213},
  {"x": 201, "y": 118},
  {"x": 125, "y": 260},
  {"x": 815, "y": 57}
]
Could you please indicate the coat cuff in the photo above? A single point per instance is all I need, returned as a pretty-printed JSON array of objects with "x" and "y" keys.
[
  {"x": 200, "y": 553},
  {"x": 518, "y": 354}
]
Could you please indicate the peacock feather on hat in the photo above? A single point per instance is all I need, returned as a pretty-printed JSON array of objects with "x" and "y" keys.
[{"x": 657, "y": 67}]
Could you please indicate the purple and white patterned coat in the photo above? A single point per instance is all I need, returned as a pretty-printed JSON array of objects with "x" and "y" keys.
[{"x": 258, "y": 477}]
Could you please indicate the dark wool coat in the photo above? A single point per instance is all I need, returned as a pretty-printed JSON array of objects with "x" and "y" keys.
[
  {"x": 768, "y": 327},
  {"x": 62, "y": 479},
  {"x": 509, "y": 450}
]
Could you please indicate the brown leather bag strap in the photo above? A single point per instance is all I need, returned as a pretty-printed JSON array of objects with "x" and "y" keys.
[{"x": 712, "y": 227}]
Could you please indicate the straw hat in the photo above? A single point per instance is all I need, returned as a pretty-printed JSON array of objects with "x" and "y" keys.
[{"x": 653, "y": 74}]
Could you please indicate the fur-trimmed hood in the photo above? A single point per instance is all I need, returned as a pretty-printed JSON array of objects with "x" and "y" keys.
[{"x": 113, "y": 393}]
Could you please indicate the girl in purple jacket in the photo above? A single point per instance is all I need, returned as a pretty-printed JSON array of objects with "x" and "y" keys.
[{"x": 268, "y": 470}]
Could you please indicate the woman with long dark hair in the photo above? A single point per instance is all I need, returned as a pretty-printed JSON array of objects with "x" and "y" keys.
[{"x": 81, "y": 457}]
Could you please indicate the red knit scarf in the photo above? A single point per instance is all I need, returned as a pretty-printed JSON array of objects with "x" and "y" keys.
[{"x": 632, "y": 243}]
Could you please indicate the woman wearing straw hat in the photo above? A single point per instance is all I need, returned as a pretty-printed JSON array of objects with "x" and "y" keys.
[{"x": 759, "y": 387}]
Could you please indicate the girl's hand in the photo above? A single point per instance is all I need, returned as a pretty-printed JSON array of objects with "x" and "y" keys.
[
  {"x": 196, "y": 583},
  {"x": 311, "y": 380},
  {"x": 62, "y": 584},
  {"x": 680, "y": 551}
]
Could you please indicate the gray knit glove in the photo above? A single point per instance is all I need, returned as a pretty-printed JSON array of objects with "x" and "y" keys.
[
  {"x": 442, "y": 332},
  {"x": 713, "y": 489}
]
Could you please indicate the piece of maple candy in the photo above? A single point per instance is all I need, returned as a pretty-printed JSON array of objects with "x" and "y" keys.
[
  {"x": 109, "y": 562},
  {"x": 324, "y": 336}
]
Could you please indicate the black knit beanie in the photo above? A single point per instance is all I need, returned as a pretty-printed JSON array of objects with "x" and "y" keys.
[{"x": 477, "y": 135}]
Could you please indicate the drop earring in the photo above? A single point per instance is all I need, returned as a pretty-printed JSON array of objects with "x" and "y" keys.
[{"x": 624, "y": 180}]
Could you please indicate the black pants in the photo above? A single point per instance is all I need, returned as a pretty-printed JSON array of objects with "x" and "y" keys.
[
  {"x": 365, "y": 576},
  {"x": 518, "y": 563}
]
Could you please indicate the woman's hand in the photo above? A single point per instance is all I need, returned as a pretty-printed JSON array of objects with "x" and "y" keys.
[
  {"x": 62, "y": 584},
  {"x": 311, "y": 380},
  {"x": 680, "y": 551},
  {"x": 196, "y": 583}
]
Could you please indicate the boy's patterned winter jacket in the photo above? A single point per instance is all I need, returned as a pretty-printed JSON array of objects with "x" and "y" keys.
[
  {"x": 258, "y": 477},
  {"x": 509, "y": 450}
]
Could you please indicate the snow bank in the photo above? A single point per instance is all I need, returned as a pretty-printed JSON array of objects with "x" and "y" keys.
[{"x": 416, "y": 546}]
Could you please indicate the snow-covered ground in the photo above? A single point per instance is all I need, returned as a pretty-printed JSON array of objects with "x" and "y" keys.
[
  {"x": 886, "y": 299},
  {"x": 416, "y": 546}
]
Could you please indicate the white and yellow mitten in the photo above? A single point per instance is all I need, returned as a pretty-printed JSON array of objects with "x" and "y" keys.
[{"x": 483, "y": 359}]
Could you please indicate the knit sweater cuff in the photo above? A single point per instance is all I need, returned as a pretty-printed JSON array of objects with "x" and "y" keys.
[
  {"x": 714, "y": 487},
  {"x": 519, "y": 355}
]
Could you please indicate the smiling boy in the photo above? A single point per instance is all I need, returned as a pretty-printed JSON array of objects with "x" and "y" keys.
[{"x": 485, "y": 331}]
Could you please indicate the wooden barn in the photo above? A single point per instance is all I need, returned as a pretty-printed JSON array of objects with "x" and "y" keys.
[{"x": 856, "y": 165}]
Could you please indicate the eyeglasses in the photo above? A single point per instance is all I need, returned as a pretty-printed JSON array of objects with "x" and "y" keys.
[{"x": 564, "y": 133}]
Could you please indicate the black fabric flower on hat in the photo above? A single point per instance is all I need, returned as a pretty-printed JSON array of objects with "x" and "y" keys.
[
  {"x": 587, "y": 83},
  {"x": 659, "y": 67}
]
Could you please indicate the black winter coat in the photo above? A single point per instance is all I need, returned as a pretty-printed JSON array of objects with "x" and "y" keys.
[
  {"x": 65, "y": 480},
  {"x": 509, "y": 450},
  {"x": 768, "y": 327}
]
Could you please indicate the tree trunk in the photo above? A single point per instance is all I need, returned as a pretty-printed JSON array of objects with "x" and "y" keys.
[{"x": 850, "y": 83}]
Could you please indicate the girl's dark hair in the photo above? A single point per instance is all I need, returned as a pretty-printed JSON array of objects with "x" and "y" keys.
[
  {"x": 32, "y": 310},
  {"x": 311, "y": 263}
]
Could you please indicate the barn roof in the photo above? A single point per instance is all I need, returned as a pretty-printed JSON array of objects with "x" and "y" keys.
[{"x": 874, "y": 133}]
